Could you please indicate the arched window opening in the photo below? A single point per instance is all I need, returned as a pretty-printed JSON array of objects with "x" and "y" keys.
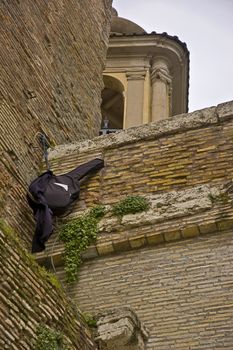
[{"x": 112, "y": 107}]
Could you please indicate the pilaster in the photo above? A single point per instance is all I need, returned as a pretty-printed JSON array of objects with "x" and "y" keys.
[
  {"x": 161, "y": 90},
  {"x": 135, "y": 98}
]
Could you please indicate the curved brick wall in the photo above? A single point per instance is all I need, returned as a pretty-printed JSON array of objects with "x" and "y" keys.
[
  {"x": 28, "y": 299},
  {"x": 52, "y": 57}
]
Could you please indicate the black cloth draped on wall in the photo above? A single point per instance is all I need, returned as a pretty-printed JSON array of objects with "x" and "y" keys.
[{"x": 50, "y": 195}]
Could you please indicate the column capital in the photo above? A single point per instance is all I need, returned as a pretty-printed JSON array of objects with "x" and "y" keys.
[
  {"x": 162, "y": 75},
  {"x": 136, "y": 75},
  {"x": 160, "y": 71}
]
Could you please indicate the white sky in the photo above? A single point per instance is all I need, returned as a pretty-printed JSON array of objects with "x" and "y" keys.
[{"x": 206, "y": 26}]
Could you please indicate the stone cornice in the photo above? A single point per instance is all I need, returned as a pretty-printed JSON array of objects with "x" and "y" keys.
[
  {"x": 136, "y": 75},
  {"x": 54, "y": 257},
  {"x": 149, "y": 43},
  {"x": 148, "y": 36},
  {"x": 176, "y": 124}
]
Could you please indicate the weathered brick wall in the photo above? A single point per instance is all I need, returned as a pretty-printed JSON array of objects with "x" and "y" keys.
[
  {"x": 161, "y": 263},
  {"x": 181, "y": 291},
  {"x": 180, "y": 152},
  {"x": 52, "y": 57},
  {"x": 28, "y": 299}
]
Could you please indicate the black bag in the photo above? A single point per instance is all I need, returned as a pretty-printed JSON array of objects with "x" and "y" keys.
[{"x": 50, "y": 195}]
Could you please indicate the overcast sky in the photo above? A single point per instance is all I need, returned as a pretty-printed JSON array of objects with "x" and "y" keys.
[{"x": 206, "y": 26}]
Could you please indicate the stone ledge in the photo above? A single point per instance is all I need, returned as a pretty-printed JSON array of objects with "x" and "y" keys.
[
  {"x": 225, "y": 111},
  {"x": 172, "y": 216},
  {"x": 168, "y": 205},
  {"x": 151, "y": 239},
  {"x": 153, "y": 130}
]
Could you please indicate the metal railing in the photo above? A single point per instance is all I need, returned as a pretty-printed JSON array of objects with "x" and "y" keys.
[
  {"x": 105, "y": 130},
  {"x": 108, "y": 131}
]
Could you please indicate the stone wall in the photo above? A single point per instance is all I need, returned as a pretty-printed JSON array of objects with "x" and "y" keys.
[
  {"x": 171, "y": 265},
  {"x": 30, "y": 298},
  {"x": 175, "y": 154},
  {"x": 52, "y": 57},
  {"x": 181, "y": 291}
]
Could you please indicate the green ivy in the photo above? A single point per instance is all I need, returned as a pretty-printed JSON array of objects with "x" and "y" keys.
[
  {"x": 90, "y": 321},
  {"x": 98, "y": 212},
  {"x": 80, "y": 232},
  {"x": 130, "y": 205},
  {"x": 222, "y": 197},
  {"x": 48, "y": 339},
  {"x": 77, "y": 235}
]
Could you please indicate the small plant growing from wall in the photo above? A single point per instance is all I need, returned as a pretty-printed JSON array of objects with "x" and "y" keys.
[
  {"x": 77, "y": 235},
  {"x": 131, "y": 205},
  {"x": 221, "y": 198},
  {"x": 90, "y": 320},
  {"x": 48, "y": 339}
]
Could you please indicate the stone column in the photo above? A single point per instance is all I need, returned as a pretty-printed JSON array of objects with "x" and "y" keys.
[
  {"x": 135, "y": 98},
  {"x": 161, "y": 90}
]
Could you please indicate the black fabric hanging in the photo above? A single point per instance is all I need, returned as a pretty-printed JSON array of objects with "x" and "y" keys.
[{"x": 50, "y": 195}]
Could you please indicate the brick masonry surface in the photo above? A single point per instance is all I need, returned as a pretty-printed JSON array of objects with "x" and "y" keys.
[
  {"x": 178, "y": 153},
  {"x": 181, "y": 291},
  {"x": 52, "y": 57},
  {"x": 176, "y": 278},
  {"x": 28, "y": 299}
]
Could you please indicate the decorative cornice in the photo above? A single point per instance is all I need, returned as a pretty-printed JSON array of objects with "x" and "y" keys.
[
  {"x": 136, "y": 75},
  {"x": 164, "y": 35},
  {"x": 194, "y": 229}
]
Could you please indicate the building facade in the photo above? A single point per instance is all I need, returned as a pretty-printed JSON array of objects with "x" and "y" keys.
[
  {"x": 146, "y": 76},
  {"x": 158, "y": 279}
]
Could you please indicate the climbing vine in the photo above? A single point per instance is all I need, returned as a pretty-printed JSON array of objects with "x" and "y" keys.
[
  {"x": 80, "y": 232},
  {"x": 130, "y": 205},
  {"x": 77, "y": 235},
  {"x": 48, "y": 339}
]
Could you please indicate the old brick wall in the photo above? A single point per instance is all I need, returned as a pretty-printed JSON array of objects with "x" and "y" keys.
[
  {"x": 52, "y": 57},
  {"x": 162, "y": 263},
  {"x": 29, "y": 299},
  {"x": 181, "y": 291},
  {"x": 176, "y": 153}
]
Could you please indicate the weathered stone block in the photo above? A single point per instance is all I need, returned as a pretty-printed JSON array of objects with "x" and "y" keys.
[
  {"x": 137, "y": 242},
  {"x": 155, "y": 238},
  {"x": 104, "y": 249},
  {"x": 207, "y": 227},
  {"x": 190, "y": 231},
  {"x": 225, "y": 224},
  {"x": 120, "y": 329},
  {"x": 90, "y": 253},
  {"x": 172, "y": 235},
  {"x": 225, "y": 110},
  {"x": 120, "y": 246}
]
